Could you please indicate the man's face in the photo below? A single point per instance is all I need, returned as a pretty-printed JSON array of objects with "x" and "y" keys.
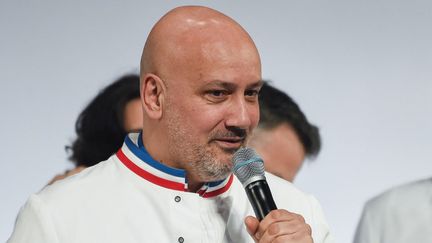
[
  {"x": 281, "y": 150},
  {"x": 210, "y": 111}
]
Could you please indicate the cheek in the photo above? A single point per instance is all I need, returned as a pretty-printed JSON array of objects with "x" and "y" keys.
[
  {"x": 255, "y": 115},
  {"x": 201, "y": 118},
  {"x": 293, "y": 161}
]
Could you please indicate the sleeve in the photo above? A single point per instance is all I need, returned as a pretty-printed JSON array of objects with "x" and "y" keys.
[
  {"x": 366, "y": 231},
  {"x": 33, "y": 224},
  {"x": 320, "y": 228}
]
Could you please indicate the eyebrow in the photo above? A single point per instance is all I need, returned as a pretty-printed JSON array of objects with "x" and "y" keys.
[
  {"x": 257, "y": 84},
  {"x": 232, "y": 86}
]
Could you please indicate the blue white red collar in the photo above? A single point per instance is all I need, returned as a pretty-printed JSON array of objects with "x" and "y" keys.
[{"x": 135, "y": 157}]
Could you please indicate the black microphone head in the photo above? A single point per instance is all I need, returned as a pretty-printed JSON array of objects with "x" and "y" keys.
[{"x": 248, "y": 166}]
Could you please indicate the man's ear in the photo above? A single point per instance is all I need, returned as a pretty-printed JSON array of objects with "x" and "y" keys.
[{"x": 152, "y": 95}]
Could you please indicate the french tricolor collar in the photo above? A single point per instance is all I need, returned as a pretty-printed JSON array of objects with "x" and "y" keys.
[{"x": 135, "y": 157}]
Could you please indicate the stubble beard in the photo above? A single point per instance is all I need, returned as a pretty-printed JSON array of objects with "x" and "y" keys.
[
  {"x": 199, "y": 160},
  {"x": 207, "y": 167}
]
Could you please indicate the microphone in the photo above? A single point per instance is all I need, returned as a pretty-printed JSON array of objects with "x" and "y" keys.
[{"x": 249, "y": 169}]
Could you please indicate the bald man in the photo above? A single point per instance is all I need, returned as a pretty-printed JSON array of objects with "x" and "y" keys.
[{"x": 200, "y": 77}]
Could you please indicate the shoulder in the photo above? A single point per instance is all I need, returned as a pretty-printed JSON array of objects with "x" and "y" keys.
[
  {"x": 281, "y": 184},
  {"x": 287, "y": 192},
  {"x": 391, "y": 209},
  {"x": 401, "y": 195},
  {"x": 287, "y": 196},
  {"x": 80, "y": 185},
  {"x": 33, "y": 223}
]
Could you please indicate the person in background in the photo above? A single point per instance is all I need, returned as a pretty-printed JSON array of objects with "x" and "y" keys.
[
  {"x": 400, "y": 215},
  {"x": 103, "y": 124},
  {"x": 284, "y": 136}
]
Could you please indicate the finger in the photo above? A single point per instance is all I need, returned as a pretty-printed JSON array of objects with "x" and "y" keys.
[
  {"x": 277, "y": 216},
  {"x": 301, "y": 236},
  {"x": 252, "y": 226},
  {"x": 278, "y": 229}
]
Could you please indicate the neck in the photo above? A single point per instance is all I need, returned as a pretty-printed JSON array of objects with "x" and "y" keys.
[
  {"x": 193, "y": 184},
  {"x": 153, "y": 148},
  {"x": 156, "y": 146},
  {"x": 194, "y": 187}
]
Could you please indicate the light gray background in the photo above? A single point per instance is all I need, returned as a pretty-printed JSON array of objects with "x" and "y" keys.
[{"x": 361, "y": 70}]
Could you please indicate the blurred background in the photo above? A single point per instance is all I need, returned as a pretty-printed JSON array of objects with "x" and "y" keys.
[{"x": 360, "y": 70}]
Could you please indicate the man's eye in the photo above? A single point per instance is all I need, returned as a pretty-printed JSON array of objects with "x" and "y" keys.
[
  {"x": 251, "y": 93},
  {"x": 217, "y": 93}
]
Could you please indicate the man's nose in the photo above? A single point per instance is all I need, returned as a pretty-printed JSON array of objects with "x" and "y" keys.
[{"x": 240, "y": 114}]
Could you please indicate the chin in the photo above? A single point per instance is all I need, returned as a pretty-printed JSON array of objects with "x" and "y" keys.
[
  {"x": 226, "y": 161},
  {"x": 217, "y": 172},
  {"x": 219, "y": 177}
]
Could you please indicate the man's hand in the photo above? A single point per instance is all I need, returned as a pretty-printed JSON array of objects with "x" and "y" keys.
[{"x": 279, "y": 226}]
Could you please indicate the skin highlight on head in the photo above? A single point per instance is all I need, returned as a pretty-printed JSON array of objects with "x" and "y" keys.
[{"x": 200, "y": 75}]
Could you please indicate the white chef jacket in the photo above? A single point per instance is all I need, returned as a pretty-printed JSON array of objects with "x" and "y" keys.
[
  {"x": 133, "y": 198},
  {"x": 400, "y": 215}
]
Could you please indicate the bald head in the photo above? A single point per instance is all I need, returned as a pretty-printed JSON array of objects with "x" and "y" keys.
[
  {"x": 200, "y": 76},
  {"x": 187, "y": 36}
]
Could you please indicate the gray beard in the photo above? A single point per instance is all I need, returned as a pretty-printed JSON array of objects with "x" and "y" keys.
[{"x": 207, "y": 168}]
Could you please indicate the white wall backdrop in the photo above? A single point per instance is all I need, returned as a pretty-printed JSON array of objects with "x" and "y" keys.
[{"x": 361, "y": 70}]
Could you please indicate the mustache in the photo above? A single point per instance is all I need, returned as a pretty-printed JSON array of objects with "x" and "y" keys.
[{"x": 233, "y": 132}]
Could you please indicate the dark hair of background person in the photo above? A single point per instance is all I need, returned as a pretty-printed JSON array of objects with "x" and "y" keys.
[
  {"x": 99, "y": 128},
  {"x": 277, "y": 108}
]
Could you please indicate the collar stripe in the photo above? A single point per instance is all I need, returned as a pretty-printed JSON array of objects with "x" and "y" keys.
[
  {"x": 143, "y": 155},
  {"x": 220, "y": 190},
  {"x": 148, "y": 168},
  {"x": 148, "y": 176},
  {"x": 136, "y": 158}
]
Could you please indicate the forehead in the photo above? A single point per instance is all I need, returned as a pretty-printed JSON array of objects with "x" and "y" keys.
[
  {"x": 221, "y": 68},
  {"x": 211, "y": 57}
]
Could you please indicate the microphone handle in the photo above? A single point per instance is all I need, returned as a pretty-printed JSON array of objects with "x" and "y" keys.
[{"x": 260, "y": 197}]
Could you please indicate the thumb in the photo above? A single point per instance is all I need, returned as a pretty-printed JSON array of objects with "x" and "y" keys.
[{"x": 252, "y": 226}]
